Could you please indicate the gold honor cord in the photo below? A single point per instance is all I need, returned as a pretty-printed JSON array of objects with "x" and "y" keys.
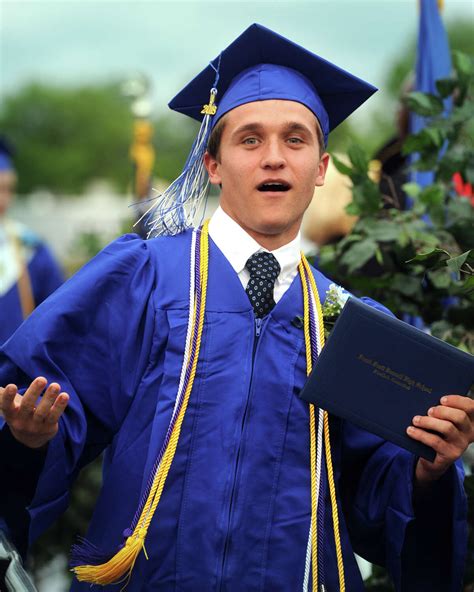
[
  {"x": 119, "y": 568},
  {"x": 302, "y": 268}
]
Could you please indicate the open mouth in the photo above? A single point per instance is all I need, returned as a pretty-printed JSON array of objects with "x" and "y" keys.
[{"x": 271, "y": 186}]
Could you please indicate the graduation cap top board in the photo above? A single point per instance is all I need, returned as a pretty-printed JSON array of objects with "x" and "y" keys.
[{"x": 259, "y": 65}]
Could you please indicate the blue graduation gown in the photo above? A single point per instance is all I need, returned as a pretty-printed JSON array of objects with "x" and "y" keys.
[
  {"x": 45, "y": 276},
  {"x": 235, "y": 511}
]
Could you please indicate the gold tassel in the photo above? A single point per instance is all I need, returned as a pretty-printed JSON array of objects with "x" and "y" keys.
[
  {"x": 119, "y": 568},
  {"x": 120, "y": 565}
]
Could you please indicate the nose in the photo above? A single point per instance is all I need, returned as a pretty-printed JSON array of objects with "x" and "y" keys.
[{"x": 273, "y": 157}]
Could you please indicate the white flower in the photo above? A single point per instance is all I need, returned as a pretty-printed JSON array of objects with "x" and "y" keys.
[
  {"x": 336, "y": 297},
  {"x": 337, "y": 294}
]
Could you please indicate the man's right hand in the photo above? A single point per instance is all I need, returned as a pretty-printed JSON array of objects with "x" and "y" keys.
[{"x": 31, "y": 423}]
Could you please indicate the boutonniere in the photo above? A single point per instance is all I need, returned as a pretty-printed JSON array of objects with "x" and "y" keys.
[{"x": 334, "y": 302}]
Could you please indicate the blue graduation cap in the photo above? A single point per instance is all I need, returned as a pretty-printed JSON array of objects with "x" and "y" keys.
[
  {"x": 6, "y": 155},
  {"x": 259, "y": 65}
]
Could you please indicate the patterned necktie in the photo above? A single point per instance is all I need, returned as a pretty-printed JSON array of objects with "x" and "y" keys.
[{"x": 264, "y": 270}]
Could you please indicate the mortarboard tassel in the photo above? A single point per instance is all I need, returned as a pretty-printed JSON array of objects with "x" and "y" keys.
[{"x": 175, "y": 210}]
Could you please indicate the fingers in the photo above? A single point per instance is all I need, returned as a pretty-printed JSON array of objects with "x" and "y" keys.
[
  {"x": 446, "y": 449},
  {"x": 447, "y": 429},
  {"x": 28, "y": 403},
  {"x": 57, "y": 409},
  {"x": 51, "y": 406},
  {"x": 453, "y": 422},
  {"x": 459, "y": 402},
  {"x": 460, "y": 419},
  {"x": 33, "y": 421},
  {"x": 9, "y": 400}
]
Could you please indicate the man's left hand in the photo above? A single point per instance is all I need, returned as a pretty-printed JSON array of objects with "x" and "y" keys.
[{"x": 453, "y": 420}]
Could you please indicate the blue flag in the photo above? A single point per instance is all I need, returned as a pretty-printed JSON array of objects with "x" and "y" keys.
[{"x": 433, "y": 63}]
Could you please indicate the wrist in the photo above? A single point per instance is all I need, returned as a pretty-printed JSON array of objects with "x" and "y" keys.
[
  {"x": 426, "y": 474},
  {"x": 28, "y": 441}
]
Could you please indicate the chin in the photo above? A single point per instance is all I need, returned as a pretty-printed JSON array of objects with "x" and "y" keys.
[{"x": 271, "y": 228}]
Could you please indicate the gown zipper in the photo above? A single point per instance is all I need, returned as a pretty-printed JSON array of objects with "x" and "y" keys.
[{"x": 258, "y": 329}]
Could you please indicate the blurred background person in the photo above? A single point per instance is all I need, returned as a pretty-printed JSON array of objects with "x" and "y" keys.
[{"x": 28, "y": 271}]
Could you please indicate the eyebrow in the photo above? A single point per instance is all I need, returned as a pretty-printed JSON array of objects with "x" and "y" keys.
[{"x": 290, "y": 126}]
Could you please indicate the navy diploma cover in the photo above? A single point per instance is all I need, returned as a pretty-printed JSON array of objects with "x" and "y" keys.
[{"x": 379, "y": 372}]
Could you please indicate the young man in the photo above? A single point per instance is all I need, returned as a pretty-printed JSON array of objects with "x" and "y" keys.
[
  {"x": 183, "y": 358},
  {"x": 28, "y": 271}
]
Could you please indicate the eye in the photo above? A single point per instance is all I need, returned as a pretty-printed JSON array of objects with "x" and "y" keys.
[
  {"x": 295, "y": 140},
  {"x": 250, "y": 141}
]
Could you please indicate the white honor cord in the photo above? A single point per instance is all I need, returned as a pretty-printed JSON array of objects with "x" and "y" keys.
[
  {"x": 192, "y": 281},
  {"x": 307, "y": 565},
  {"x": 192, "y": 289},
  {"x": 316, "y": 322}
]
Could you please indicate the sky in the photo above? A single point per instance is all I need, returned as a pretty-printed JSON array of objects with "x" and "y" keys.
[{"x": 78, "y": 42}]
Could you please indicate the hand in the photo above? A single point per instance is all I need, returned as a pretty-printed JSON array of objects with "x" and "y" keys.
[
  {"x": 453, "y": 420},
  {"x": 33, "y": 426}
]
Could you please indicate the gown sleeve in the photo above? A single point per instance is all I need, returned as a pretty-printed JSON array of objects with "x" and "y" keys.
[
  {"x": 92, "y": 336},
  {"x": 421, "y": 541}
]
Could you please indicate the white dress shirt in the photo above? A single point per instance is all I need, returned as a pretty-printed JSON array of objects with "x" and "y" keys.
[{"x": 237, "y": 246}]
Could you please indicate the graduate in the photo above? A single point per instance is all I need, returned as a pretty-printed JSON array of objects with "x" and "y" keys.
[
  {"x": 182, "y": 358},
  {"x": 28, "y": 271}
]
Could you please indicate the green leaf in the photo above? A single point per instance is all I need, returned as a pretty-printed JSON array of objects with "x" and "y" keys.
[
  {"x": 414, "y": 143},
  {"x": 340, "y": 166},
  {"x": 433, "y": 195},
  {"x": 452, "y": 162},
  {"x": 424, "y": 104},
  {"x": 436, "y": 135},
  {"x": 431, "y": 138},
  {"x": 367, "y": 197},
  {"x": 469, "y": 174},
  {"x": 426, "y": 163},
  {"x": 462, "y": 64},
  {"x": 379, "y": 256},
  {"x": 446, "y": 86},
  {"x": 403, "y": 239},
  {"x": 455, "y": 263},
  {"x": 385, "y": 231},
  {"x": 353, "y": 209},
  {"x": 467, "y": 287},
  {"x": 412, "y": 189},
  {"x": 359, "y": 158},
  {"x": 463, "y": 113},
  {"x": 359, "y": 254},
  {"x": 440, "y": 278},
  {"x": 418, "y": 209},
  {"x": 432, "y": 260},
  {"x": 406, "y": 285}
]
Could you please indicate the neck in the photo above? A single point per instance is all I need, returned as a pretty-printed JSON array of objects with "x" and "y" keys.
[{"x": 268, "y": 240}]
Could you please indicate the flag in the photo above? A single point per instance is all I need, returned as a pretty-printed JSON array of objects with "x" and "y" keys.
[{"x": 433, "y": 63}]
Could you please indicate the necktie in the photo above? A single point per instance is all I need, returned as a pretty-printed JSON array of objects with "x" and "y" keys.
[{"x": 264, "y": 270}]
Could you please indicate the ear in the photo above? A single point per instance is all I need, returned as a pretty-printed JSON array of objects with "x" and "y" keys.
[
  {"x": 322, "y": 168},
  {"x": 212, "y": 167}
]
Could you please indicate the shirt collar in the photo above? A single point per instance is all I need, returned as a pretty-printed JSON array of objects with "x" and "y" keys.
[{"x": 237, "y": 246}]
